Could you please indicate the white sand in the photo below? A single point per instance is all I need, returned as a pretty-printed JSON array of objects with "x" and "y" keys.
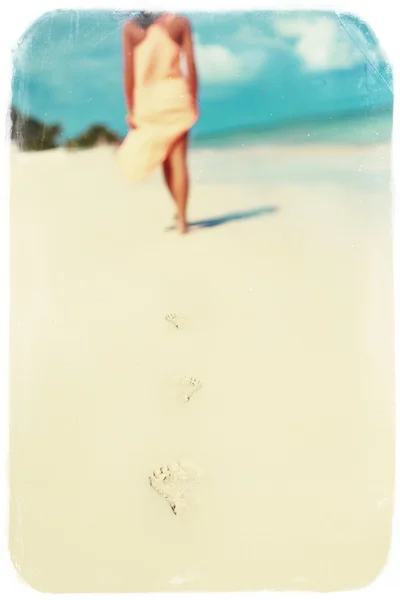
[{"x": 287, "y": 323}]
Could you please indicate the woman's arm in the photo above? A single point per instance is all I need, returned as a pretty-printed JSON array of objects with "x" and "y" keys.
[
  {"x": 127, "y": 44},
  {"x": 188, "y": 48}
]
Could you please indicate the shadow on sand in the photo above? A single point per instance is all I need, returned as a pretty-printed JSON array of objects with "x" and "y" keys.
[{"x": 231, "y": 217}]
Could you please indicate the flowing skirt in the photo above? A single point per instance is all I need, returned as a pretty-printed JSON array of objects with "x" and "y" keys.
[{"x": 163, "y": 112}]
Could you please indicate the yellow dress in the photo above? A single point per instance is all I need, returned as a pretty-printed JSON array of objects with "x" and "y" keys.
[{"x": 164, "y": 108}]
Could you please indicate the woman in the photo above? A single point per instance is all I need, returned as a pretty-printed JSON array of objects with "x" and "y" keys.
[{"x": 161, "y": 102}]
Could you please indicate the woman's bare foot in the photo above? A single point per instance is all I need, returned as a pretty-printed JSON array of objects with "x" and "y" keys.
[{"x": 181, "y": 226}]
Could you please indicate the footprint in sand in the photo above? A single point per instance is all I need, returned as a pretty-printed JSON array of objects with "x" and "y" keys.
[
  {"x": 173, "y": 482},
  {"x": 176, "y": 319},
  {"x": 190, "y": 386}
]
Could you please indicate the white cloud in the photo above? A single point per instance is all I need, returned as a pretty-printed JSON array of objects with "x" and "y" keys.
[
  {"x": 248, "y": 35},
  {"x": 322, "y": 44},
  {"x": 219, "y": 65}
]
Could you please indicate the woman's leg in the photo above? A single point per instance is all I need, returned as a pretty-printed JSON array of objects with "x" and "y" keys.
[
  {"x": 167, "y": 179},
  {"x": 167, "y": 176},
  {"x": 177, "y": 179}
]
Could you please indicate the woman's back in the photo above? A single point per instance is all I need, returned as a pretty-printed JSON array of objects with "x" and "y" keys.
[{"x": 156, "y": 53}]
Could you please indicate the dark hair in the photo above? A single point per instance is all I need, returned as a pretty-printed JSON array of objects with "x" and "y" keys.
[{"x": 145, "y": 18}]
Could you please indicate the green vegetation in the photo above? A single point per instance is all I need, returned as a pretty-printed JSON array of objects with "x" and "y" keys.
[
  {"x": 32, "y": 135},
  {"x": 94, "y": 136}
]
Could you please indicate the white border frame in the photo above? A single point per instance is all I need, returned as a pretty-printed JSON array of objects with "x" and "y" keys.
[{"x": 19, "y": 16}]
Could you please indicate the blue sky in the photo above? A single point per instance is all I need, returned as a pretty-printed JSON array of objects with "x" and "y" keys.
[{"x": 256, "y": 69}]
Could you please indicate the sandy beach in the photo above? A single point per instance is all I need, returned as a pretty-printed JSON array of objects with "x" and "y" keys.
[{"x": 282, "y": 293}]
